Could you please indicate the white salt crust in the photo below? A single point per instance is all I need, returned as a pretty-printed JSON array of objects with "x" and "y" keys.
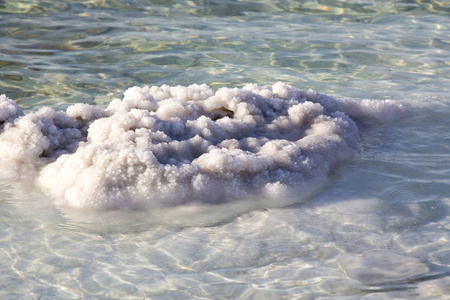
[{"x": 164, "y": 146}]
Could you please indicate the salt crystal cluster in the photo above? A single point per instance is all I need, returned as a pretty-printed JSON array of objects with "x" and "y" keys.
[{"x": 163, "y": 146}]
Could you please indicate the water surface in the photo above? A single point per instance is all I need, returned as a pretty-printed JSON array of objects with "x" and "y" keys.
[{"x": 378, "y": 229}]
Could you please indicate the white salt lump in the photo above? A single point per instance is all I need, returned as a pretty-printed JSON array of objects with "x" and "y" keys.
[
  {"x": 163, "y": 146},
  {"x": 8, "y": 110}
]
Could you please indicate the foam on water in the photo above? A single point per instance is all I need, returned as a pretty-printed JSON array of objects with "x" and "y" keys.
[{"x": 164, "y": 146}]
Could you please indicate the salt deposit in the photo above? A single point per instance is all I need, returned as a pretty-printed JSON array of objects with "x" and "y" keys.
[
  {"x": 378, "y": 267},
  {"x": 163, "y": 146}
]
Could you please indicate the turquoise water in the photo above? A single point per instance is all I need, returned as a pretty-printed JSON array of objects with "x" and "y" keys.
[{"x": 379, "y": 228}]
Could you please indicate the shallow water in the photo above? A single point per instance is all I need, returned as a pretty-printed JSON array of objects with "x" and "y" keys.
[{"x": 378, "y": 229}]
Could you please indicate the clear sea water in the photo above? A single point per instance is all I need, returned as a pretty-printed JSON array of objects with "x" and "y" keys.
[{"x": 379, "y": 229}]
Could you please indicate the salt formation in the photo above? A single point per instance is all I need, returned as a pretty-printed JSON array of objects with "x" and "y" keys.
[{"x": 163, "y": 146}]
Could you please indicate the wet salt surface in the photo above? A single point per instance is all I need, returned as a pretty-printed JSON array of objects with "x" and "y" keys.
[
  {"x": 352, "y": 239},
  {"x": 275, "y": 253},
  {"x": 163, "y": 146}
]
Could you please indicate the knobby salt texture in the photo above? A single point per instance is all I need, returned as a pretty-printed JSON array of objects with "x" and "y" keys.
[{"x": 163, "y": 146}]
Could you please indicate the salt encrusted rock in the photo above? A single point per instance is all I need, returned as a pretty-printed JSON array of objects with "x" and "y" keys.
[{"x": 167, "y": 145}]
